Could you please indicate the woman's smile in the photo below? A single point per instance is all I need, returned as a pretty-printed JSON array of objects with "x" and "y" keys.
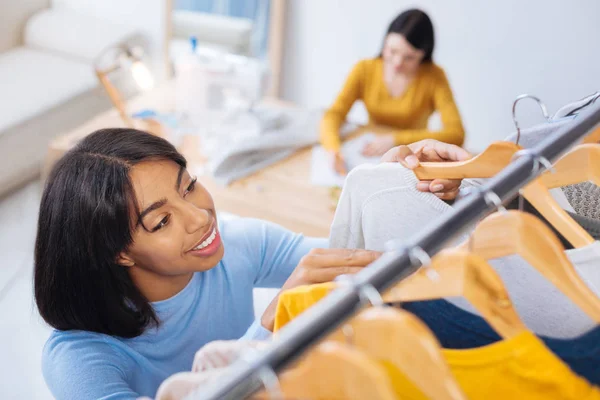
[{"x": 209, "y": 244}]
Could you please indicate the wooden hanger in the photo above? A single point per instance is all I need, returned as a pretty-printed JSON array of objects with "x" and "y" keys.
[
  {"x": 335, "y": 371},
  {"x": 484, "y": 165},
  {"x": 579, "y": 165},
  {"x": 463, "y": 274},
  {"x": 593, "y": 137},
  {"x": 519, "y": 233},
  {"x": 541, "y": 199},
  {"x": 400, "y": 338}
]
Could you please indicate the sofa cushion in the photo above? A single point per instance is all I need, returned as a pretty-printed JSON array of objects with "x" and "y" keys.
[
  {"x": 76, "y": 35},
  {"x": 33, "y": 81}
]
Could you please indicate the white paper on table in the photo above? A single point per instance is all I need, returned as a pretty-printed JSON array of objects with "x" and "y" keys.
[{"x": 321, "y": 168}]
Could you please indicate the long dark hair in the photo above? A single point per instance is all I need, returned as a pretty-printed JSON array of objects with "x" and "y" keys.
[
  {"x": 417, "y": 28},
  {"x": 84, "y": 223}
]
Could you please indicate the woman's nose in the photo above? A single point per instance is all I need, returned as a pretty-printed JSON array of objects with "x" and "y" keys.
[{"x": 194, "y": 218}]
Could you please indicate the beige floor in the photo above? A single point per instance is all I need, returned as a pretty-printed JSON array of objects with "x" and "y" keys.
[{"x": 22, "y": 332}]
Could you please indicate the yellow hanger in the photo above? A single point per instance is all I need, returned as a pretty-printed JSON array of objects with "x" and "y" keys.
[
  {"x": 484, "y": 165},
  {"x": 400, "y": 338},
  {"x": 463, "y": 274},
  {"x": 334, "y": 371},
  {"x": 518, "y": 233}
]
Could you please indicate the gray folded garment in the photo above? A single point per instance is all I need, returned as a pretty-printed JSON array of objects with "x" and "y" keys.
[
  {"x": 585, "y": 200},
  {"x": 256, "y": 140}
]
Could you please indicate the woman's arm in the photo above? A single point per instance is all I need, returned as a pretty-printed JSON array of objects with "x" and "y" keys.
[
  {"x": 334, "y": 117},
  {"x": 86, "y": 368},
  {"x": 452, "y": 131}
]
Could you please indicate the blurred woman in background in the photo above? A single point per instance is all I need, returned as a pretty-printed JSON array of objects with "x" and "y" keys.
[{"x": 401, "y": 89}]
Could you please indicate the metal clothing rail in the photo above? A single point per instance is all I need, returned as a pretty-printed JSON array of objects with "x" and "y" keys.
[{"x": 392, "y": 267}]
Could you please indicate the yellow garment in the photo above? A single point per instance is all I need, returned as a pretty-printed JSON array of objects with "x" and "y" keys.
[
  {"x": 407, "y": 114},
  {"x": 517, "y": 368}
]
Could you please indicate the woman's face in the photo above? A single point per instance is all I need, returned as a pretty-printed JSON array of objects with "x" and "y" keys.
[
  {"x": 177, "y": 233},
  {"x": 400, "y": 55}
]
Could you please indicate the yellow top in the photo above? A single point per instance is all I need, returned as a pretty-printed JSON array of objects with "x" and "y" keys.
[
  {"x": 517, "y": 368},
  {"x": 407, "y": 114}
]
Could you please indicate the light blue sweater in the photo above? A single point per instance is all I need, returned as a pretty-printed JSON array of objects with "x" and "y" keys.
[{"x": 215, "y": 305}]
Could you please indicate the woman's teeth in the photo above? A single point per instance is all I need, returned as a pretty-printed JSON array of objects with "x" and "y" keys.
[{"x": 208, "y": 240}]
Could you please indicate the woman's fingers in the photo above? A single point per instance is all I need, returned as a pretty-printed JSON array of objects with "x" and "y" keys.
[
  {"x": 328, "y": 258},
  {"x": 444, "y": 185},
  {"x": 445, "y": 189},
  {"x": 433, "y": 150},
  {"x": 403, "y": 155},
  {"x": 451, "y": 195},
  {"x": 320, "y": 275}
]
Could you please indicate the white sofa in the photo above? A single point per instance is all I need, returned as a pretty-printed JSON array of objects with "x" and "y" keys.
[{"x": 47, "y": 81}]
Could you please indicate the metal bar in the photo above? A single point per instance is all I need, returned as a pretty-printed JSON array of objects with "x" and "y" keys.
[{"x": 308, "y": 328}]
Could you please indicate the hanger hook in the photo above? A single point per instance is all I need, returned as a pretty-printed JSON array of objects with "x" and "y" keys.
[
  {"x": 417, "y": 253},
  {"x": 266, "y": 375},
  {"x": 514, "y": 111},
  {"x": 521, "y": 200},
  {"x": 492, "y": 199},
  {"x": 538, "y": 161},
  {"x": 374, "y": 299},
  {"x": 368, "y": 293}
]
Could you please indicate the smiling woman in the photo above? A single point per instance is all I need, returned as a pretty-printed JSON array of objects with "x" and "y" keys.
[{"x": 135, "y": 272}]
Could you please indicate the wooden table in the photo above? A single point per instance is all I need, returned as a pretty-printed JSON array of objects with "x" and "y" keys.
[{"x": 281, "y": 193}]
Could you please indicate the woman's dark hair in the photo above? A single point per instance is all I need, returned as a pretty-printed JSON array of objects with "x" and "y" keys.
[
  {"x": 417, "y": 28},
  {"x": 84, "y": 223}
]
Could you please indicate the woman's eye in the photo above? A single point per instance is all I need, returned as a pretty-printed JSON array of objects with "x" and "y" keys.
[
  {"x": 161, "y": 224},
  {"x": 190, "y": 187}
]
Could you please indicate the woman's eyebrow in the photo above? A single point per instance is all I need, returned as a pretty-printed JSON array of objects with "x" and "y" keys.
[
  {"x": 154, "y": 206},
  {"x": 179, "y": 177},
  {"x": 158, "y": 204}
]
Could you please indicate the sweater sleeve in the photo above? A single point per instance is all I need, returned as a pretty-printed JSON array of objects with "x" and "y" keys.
[
  {"x": 87, "y": 368},
  {"x": 452, "y": 131},
  {"x": 334, "y": 117},
  {"x": 275, "y": 251}
]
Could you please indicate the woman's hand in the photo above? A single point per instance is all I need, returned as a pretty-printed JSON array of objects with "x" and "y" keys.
[
  {"x": 322, "y": 265},
  {"x": 339, "y": 164},
  {"x": 379, "y": 145},
  {"x": 222, "y": 353},
  {"x": 430, "y": 150}
]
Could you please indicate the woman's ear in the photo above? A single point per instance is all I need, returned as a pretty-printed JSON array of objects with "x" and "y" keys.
[{"x": 125, "y": 260}]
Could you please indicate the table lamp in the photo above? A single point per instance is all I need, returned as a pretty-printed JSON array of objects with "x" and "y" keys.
[{"x": 122, "y": 58}]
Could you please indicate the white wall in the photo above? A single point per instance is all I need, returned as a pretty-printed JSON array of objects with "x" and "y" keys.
[
  {"x": 491, "y": 50},
  {"x": 13, "y": 16},
  {"x": 149, "y": 17}
]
